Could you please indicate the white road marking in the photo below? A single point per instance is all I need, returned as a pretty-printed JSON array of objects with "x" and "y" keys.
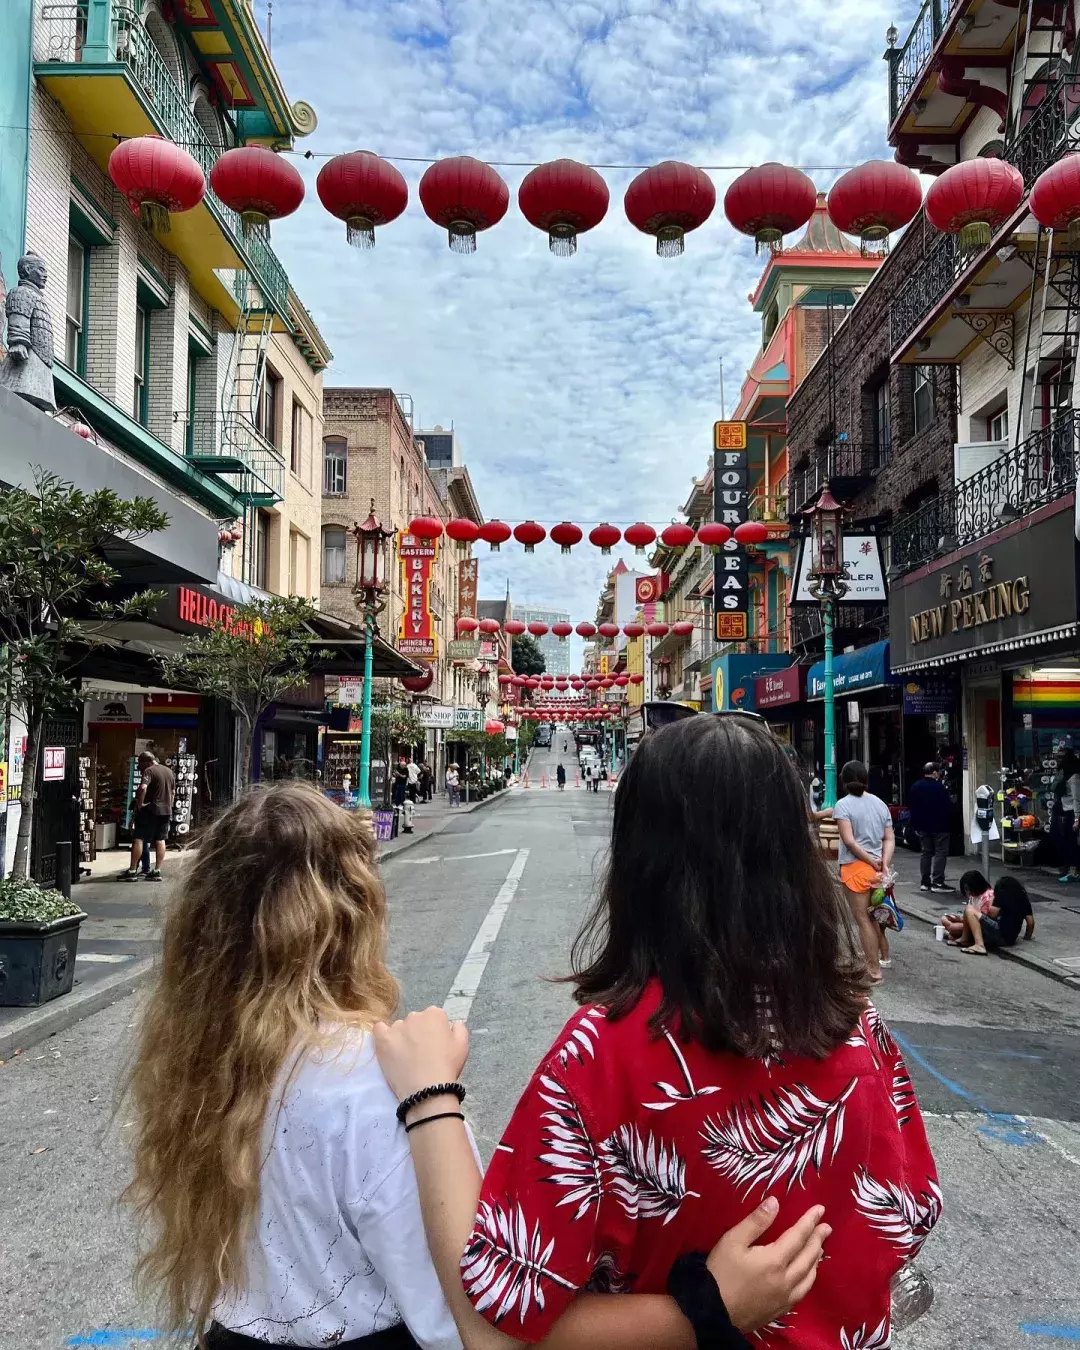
[
  {"x": 459, "y": 1001},
  {"x": 111, "y": 958},
  {"x": 457, "y": 857}
]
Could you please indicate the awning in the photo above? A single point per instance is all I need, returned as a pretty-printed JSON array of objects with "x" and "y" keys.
[{"x": 853, "y": 672}]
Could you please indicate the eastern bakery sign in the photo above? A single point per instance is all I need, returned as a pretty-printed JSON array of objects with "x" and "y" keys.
[
  {"x": 1011, "y": 586},
  {"x": 416, "y": 630}
]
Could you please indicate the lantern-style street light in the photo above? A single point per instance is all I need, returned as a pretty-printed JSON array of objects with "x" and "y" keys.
[
  {"x": 827, "y": 583},
  {"x": 369, "y": 598},
  {"x": 663, "y": 677}
]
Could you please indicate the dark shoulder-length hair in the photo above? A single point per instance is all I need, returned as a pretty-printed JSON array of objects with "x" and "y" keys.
[{"x": 716, "y": 888}]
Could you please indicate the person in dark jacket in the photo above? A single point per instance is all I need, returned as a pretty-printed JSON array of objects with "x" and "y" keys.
[{"x": 931, "y": 814}]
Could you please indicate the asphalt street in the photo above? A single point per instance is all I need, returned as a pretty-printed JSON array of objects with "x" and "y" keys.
[{"x": 483, "y": 914}]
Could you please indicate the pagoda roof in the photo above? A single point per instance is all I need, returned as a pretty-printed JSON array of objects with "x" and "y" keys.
[{"x": 822, "y": 248}]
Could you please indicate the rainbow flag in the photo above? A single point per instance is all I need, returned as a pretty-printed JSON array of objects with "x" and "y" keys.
[
  {"x": 1051, "y": 702},
  {"x": 177, "y": 710}
]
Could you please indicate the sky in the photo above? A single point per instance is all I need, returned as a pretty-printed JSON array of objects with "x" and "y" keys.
[{"x": 582, "y": 388}]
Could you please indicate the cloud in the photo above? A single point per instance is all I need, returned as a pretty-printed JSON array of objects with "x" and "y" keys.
[{"x": 582, "y": 388}]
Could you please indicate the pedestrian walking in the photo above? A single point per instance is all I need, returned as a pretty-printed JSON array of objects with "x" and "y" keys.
[
  {"x": 1065, "y": 815},
  {"x": 865, "y": 854},
  {"x": 271, "y": 1162},
  {"x": 152, "y": 814},
  {"x": 412, "y": 770},
  {"x": 427, "y": 780},
  {"x": 453, "y": 782},
  {"x": 724, "y": 1052},
  {"x": 399, "y": 786},
  {"x": 560, "y": 777},
  {"x": 931, "y": 810}
]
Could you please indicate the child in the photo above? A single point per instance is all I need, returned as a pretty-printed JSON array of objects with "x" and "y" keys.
[
  {"x": 269, "y": 1158},
  {"x": 974, "y": 890}
]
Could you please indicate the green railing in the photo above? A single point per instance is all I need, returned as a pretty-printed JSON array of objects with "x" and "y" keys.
[{"x": 133, "y": 47}]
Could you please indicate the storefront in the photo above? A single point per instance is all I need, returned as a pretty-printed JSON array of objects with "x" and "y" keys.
[
  {"x": 869, "y": 718},
  {"x": 778, "y": 697},
  {"x": 733, "y": 679},
  {"x": 999, "y": 620}
]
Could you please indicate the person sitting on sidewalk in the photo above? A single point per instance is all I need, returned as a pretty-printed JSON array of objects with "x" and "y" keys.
[
  {"x": 974, "y": 890},
  {"x": 1000, "y": 925},
  {"x": 931, "y": 814}
]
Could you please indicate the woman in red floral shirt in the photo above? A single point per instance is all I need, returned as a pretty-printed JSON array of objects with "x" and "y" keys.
[{"x": 725, "y": 1053}]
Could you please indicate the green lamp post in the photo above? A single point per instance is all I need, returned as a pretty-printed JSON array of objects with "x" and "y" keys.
[
  {"x": 369, "y": 598},
  {"x": 828, "y": 585}
]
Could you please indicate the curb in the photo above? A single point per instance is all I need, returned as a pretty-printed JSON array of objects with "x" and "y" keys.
[
  {"x": 38, "y": 1024},
  {"x": 1009, "y": 953},
  {"x": 383, "y": 858}
]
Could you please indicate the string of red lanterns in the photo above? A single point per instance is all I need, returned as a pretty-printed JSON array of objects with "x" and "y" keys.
[
  {"x": 677, "y": 536},
  {"x": 516, "y": 627}
]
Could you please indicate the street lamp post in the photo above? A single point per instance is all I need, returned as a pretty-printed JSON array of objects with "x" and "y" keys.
[
  {"x": 369, "y": 598},
  {"x": 828, "y": 585}
]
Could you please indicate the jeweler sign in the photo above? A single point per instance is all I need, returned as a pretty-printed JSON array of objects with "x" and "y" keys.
[
  {"x": 864, "y": 572},
  {"x": 416, "y": 631}
]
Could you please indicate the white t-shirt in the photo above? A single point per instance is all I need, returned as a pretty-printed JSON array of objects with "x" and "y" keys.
[
  {"x": 414, "y": 773},
  {"x": 338, "y": 1249}
]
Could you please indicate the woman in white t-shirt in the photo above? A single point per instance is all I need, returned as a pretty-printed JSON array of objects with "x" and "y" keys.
[{"x": 270, "y": 1163}]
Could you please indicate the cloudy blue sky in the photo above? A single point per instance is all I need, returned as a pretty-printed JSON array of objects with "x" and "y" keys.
[{"x": 582, "y": 388}]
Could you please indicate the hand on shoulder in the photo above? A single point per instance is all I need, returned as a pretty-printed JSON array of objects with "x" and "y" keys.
[{"x": 421, "y": 1050}]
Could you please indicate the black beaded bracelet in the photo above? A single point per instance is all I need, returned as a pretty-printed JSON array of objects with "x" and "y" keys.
[
  {"x": 426, "y": 1120},
  {"x": 436, "y": 1090},
  {"x": 692, "y": 1286}
]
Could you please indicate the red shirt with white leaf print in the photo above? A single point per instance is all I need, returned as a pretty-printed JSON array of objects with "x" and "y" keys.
[{"x": 628, "y": 1150}]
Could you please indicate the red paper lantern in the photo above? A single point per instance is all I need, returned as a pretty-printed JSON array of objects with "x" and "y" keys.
[
  {"x": 564, "y": 198},
  {"x": 530, "y": 534},
  {"x": 426, "y": 528},
  {"x": 669, "y": 200},
  {"x": 1055, "y": 198},
  {"x": 364, "y": 191},
  {"x": 562, "y": 629},
  {"x": 494, "y": 727},
  {"x": 577, "y": 684},
  {"x": 751, "y": 532},
  {"x": 770, "y": 201},
  {"x": 608, "y": 630},
  {"x": 532, "y": 682},
  {"x": 593, "y": 684},
  {"x": 463, "y": 195},
  {"x": 416, "y": 684},
  {"x": 608, "y": 682},
  {"x": 633, "y": 630},
  {"x": 157, "y": 178},
  {"x": 506, "y": 679},
  {"x": 974, "y": 199},
  {"x": 637, "y": 679},
  {"x": 489, "y": 626},
  {"x": 604, "y": 537},
  {"x": 518, "y": 681},
  {"x": 658, "y": 630},
  {"x": 642, "y": 536},
  {"x": 713, "y": 535},
  {"x": 874, "y": 199},
  {"x": 684, "y": 627},
  {"x": 463, "y": 532},
  {"x": 494, "y": 532},
  {"x": 258, "y": 184},
  {"x": 622, "y": 681},
  {"x": 514, "y": 627},
  {"x": 467, "y": 625},
  {"x": 586, "y": 630},
  {"x": 538, "y": 629},
  {"x": 565, "y": 535},
  {"x": 677, "y": 536}
]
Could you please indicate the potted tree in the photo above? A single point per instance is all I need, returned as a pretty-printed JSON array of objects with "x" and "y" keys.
[{"x": 39, "y": 935}]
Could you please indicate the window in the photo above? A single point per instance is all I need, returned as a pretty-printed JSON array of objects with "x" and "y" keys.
[
  {"x": 298, "y": 563},
  {"x": 923, "y": 397},
  {"x": 333, "y": 555},
  {"x": 296, "y": 440},
  {"x": 140, "y": 402},
  {"x": 881, "y": 418},
  {"x": 997, "y": 424},
  {"x": 262, "y": 550},
  {"x": 335, "y": 465},
  {"x": 268, "y": 409},
  {"x": 75, "y": 323}
]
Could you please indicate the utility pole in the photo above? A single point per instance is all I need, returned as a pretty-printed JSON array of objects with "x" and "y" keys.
[{"x": 723, "y": 410}]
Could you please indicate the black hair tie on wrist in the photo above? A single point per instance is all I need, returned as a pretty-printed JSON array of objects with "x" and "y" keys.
[
  {"x": 425, "y": 1094},
  {"x": 426, "y": 1120},
  {"x": 692, "y": 1286}
]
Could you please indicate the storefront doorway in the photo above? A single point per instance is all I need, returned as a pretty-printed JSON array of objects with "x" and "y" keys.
[{"x": 982, "y": 737}]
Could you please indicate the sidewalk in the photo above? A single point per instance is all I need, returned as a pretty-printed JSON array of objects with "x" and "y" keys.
[
  {"x": 120, "y": 937},
  {"x": 1055, "y": 948}
]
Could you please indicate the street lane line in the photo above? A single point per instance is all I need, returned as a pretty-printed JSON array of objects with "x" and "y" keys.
[
  {"x": 459, "y": 1001},
  {"x": 457, "y": 857}
]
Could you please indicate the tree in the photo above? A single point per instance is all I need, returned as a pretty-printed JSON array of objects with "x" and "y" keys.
[
  {"x": 526, "y": 656},
  {"x": 54, "y": 583},
  {"x": 259, "y": 652}
]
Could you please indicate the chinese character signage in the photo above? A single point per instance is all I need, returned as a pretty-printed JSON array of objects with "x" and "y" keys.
[
  {"x": 468, "y": 571},
  {"x": 731, "y": 568},
  {"x": 416, "y": 631},
  {"x": 468, "y": 719}
]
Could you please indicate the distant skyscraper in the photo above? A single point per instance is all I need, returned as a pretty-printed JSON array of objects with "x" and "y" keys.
[
  {"x": 440, "y": 447},
  {"x": 556, "y": 650}
]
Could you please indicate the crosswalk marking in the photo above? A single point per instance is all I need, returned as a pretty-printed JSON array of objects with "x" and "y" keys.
[{"x": 459, "y": 1001}]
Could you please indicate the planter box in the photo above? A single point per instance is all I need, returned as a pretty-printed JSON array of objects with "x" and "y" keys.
[{"x": 37, "y": 960}]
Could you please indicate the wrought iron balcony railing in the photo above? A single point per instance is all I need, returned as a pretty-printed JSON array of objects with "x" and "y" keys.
[
  {"x": 769, "y": 505},
  {"x": 65, "y": 34},
  {"x": 808, "y": 622},
  {"x": 841, "y": 464},
  {"x": 907, "y": 63},
  {"x": 1040, "y": 470},
  {"x": 226, "y": 444}
]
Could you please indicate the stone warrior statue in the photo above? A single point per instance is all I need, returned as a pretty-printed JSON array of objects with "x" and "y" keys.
[{"x": 27, "y": 368}]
